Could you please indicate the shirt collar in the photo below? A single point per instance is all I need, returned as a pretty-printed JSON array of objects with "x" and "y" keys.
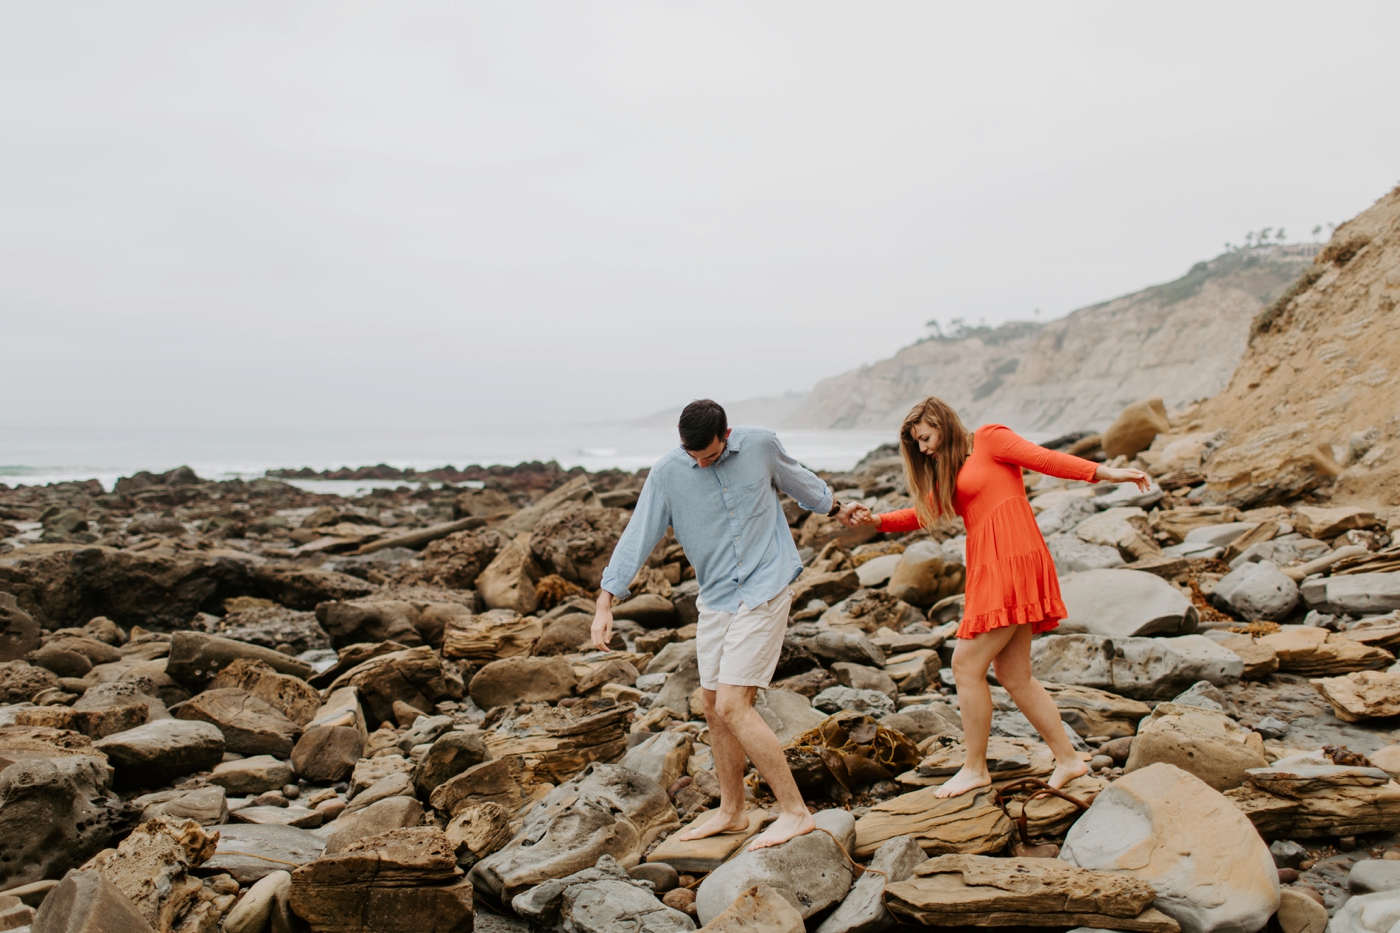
[{"x": 731, "y": 445}]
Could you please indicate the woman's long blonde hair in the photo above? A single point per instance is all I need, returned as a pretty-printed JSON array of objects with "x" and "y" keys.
[{"x": 933, "y": 480}]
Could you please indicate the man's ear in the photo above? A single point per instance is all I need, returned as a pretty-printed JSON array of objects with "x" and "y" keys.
[{"x": 727, "y": 432}]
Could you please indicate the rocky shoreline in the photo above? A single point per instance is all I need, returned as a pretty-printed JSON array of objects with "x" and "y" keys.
[{"x": 241, "y": 706}]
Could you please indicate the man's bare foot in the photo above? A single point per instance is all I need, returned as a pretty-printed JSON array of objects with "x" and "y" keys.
[
  {"x": 718, "y": 824},
  {"x": 962, "y": 782},
  {"x": 1064, "y": 773},
  {"x": 787, "y": 826}
]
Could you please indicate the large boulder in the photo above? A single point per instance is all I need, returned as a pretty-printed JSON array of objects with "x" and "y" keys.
[
  {"x": 1142, "y": 668},
  {"x": 576, "y": 540},
  {"x": 152, "y": 868},
  {"x": 1120, "y": 603},
  {"x": 1133, "y": 430},
  {"x": 1210, "y": 745},
  {"x": 812, "y": 872},
  {"x": 458, "y": 559},
  {"x": 508, "y": 582},
  {"x": 195, "y": 658},
  {"x": 299, "y": 587},
  {"x": 1256, "y": 591},
  {"x": 85, "y": 902},
  {"x": 19, "y": 633},
  {"x": 1072, "y": 554},
  {"x": 606, "y": 810},
  {"x": 1362, "y": 593},
  {"x": 1211, "y": 870},
  {"x": 158, "y": 752},
  {"x": 350, "y": 622},
  {"x": 413, "y": 676},
  {"x": 488, "y": 636},
  {"x": 599, "y": 899},
  {"x": 250, "y": 726},
  {"x": 291, "y": 696},
  {"x": 926, "y": 573},
  {"x": 54, "y": 815},
  {"x": 863, "y": 910},
  {"x": 1124, "y": 528},
  {"x": 528, "y": 680}
]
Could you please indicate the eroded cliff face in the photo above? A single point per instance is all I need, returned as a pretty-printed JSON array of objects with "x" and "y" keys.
[
  {"x": 1180, "y": 341},
  {"x": 1316, "y": 397}
]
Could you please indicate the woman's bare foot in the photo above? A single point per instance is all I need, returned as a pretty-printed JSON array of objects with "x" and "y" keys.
[
  {"x": 787, "y": 826},
  {"x": 1066, "y": 772},
  {"x": 964, "y": 781},
  {"x": 718, "y": 823}
]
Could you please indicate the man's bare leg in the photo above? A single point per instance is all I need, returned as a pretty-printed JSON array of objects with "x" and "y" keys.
[
  {"x": 971, "y": 658},
  {"x": 1013, "y": 667},
  {"x": 729, "y": 771},
  {"x": 734, "y": 706}
]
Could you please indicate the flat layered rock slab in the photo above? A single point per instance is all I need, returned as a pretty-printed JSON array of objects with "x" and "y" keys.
[
  {"x": 968, "y": 823},
  {"x": 709, "y": 853},
  {"x": 248, "y": 851},
  {"x": 974, "y": 890}
]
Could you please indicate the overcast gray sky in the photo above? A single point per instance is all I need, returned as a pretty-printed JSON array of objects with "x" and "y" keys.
[{"x": 459, "y": 214}]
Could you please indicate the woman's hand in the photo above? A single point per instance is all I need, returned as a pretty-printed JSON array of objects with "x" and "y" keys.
[
  {"x": 1115, "y": 475},
  {"x": 861, "y": 515}
]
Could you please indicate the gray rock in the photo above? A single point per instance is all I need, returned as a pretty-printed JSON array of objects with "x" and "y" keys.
[
  {"x": 662, "y": 876},
  {"x": 1271, "y": 727},
  {"x": 1257, "y": 591},
  {"x": 196, "y": 657},
  {"x": 1204, "y": 695},
  {"x": 661, "y": 757},
  {"x": 256, "y": 775},
  {"x": 424, "y": 731},
  {"x": 1071, "y": 554},
  {"x": 863, "y": 910},
  {"x": 1124, "y": 603},
  {"x": 254, "y": 909},
  {"x": 1366, "y": 913},
  {"x": 787, "y": 713},
  {"x": 1126, "y": 495},
  {"x": 160, "y": 751},
  {"x": 1013, "y": 724},
  {"x": 600, "y": 899},
  {"x": 1363, "y": 593},
  {"x": 1194, "y": 550},
  {"x": 393, "y": 812},
  {"x": 85, "y": 902},
  {"x": 450, "y": 755},
  {"x": 1142, "y": 668},
  {"x": 1371, "y": 875},
  {"x": 671, "y": 657},
  {"x": 681, "y": 683},
  {"x": 207, "y": 806},
  {"x": 926, "y": 572},
  {"x": 1218, "y": 535},
  {"x": 812, "y": 872},
  {"x": 1065, "y": 515},
  {"x": 836, "y": 699},
  {"x": 1287, "y": 853},
  {"x": 863, "y": 677},
  {"x": 55, "y": 814},
  {"x": 249, "y": 852},
  {"x": 327, "y": 753},
  {"x": 919, "y": 722},
  {"x": 844, "y": 646},
  {"x": 877, "y": 570}
]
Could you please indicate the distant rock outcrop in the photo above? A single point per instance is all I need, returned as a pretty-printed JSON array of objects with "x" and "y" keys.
[{"x": 1180, "y": 341}]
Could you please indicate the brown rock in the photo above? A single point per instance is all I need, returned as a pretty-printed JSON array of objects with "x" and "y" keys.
[
  {"x": 291, "y": 696},
  {"x": 250, "y": 726},
  {"x": 1298, "y": 913},
  {"x": 1259, "y": 660},
  {"x": 508, "y": 582},
  {"x": 500, "y": 781},
  {"x": 151, "y": 867},
  {"x": 1362, "y": 695},
  {"x": 458, "y": 559},
  {"x": 85, "y": 902},
  {"x": 350, "y": 622},
  {"x": 1314, "y": 652},
  {"x": 647, "y": 609},
  {"x": 478, "y": 830},
  {"x": 21, "y": 681},
  {"x": 1317, "y": 522},
  {"x": 196, "y": 657},
  {"x": 412, "y": 675},
  {"x": 969, "y": 823},
  {"x": 302, "y": 588},
  {"x": 489, "y": 636},
  {"x": 829, "y": 587},
  {"x": 1210, "y": 745},
  {"x": 576, "y": 540},
  {"x": 683, "y": 899},
  {"x": 528, "y": 680},
  {"x": 1134, "y": 428},
  {"x": 1097, "y": 712},
  {"x": 327, "y": 753},
  {"x": 760, "y": 909},
  {"x": 557, "y": 744},
  {"x": 452, "y": 753}
]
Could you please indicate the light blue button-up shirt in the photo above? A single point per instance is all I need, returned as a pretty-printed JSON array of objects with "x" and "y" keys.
[{"x": 727, "y": 518}]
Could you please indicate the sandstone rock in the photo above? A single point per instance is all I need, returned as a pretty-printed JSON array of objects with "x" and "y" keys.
[
  {"x": 1257, "y": 591},
  {"x": 1362, "y": 695},
  {"x": 1097, "y": 712},
  {"x": 836, "y": 699},
  {"x": 107, "y": 709},
  {"x": 829, "y": 587},
  {"x": 647, "y": 609},
  {"x": 253, "y": 912},
  {"x": 402, "y": 881},
  {"x": 913, "y": 671},
  {"x": 269, "y": 626},
  {"x": 862, "y": 677},
  {"x": 760, "y": 909},
  {"x": 250, "y": 726},
  {"x": 450, "y": 755},
  {"x": 413, "y": 676},
  {"x": 557, "y": 744},
  {"x": 576, "y": 540},
  {"x": 527, "y": 680},
  {"x": 1317, "y": 522},
  {"x": 1142, "y": 668},
  {"x": 599, "y": 899},
  {"x": 350, "y": 622},
  {"x": 1209, "y": 745},
  {"x": 370, "y": 771},
  {"x": 525, "y": 520},
  {"x": 196, "y": 657},
  {"x": 1121, "y": 528},
  {"x": 1123, "y": 603},
  {"x": 704, "y": 855},
  {"x": 207, "y": 806},
  {"x": 298, "y": 587},
  {"x": 272, "y": 815},
  {"x": 1134, "y": 428},
  {"x": 327, "y": 753},
  {"x": 1305, "y": 795},
  {"x": 863, "y": 910},
  {"x": 397, "y": 784},
  {"x": 54, "y": 815},
  {"x": 160, "y": 751},
  {"x": 788, "y": 714},
  {"x": 1298, "y": 913},
  {"x": 919, "y": 722},
  {"x": 926, "y": 573},
  {"x": 852, "y": 646},
  {"x": 21, "y": 681},
  {"x": 85, "y": 902},
  {"x": 878, "y": 570},
  {"x": 19, "y": 633},
  {"x": 477, "y": 831},
  {"x": 1219, "y": 535},
  {"x": 606, "y": 810},
  {"x": 572, "y": 633},
  {"x": 508, "y": 582},
  {"x": 457, "y": 560},
  {"x": 870, "y": 612},
  {"x": 1314, "y": 652},
  {"x": 488, "y": 636},
  {"x": 1387, "y": 759},
  {"x": 382, "y": 816},
  {"x": 251, "y": 776},
  {"x": 812, "y": 872},
  {"x": 152, "y": 868},
  {"x": 249, "y": 852},
  {"x": 970, "y": 823},
  {"x": 1259, "y": 660},
  {"x": 1072, "y": 554},
  {"x": 1367, "y": 913},
  {"x": 1208, "y": 866},
  {"x": 662, "y": 757},
  {"x": 499, "y": 781},
  {"x": 62, "y": 662},
  {"x": 291, "y": 696}
]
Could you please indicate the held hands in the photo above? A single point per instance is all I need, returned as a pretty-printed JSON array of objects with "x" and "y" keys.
[
  {"x": 603, "y": 622},
  {"x": 1115, "y": 475},
  {"x": 853, "y": 515}
]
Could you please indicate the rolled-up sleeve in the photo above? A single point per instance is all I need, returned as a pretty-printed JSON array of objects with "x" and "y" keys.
[
  {"x": 650, "y": 519},
  {"x": 798, "y": 481}
]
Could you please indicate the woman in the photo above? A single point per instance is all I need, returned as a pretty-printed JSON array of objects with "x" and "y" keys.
[{"x": 1012, "y": 591}]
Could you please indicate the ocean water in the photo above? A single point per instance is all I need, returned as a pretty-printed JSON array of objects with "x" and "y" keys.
[{"x": 36, "y": 456}]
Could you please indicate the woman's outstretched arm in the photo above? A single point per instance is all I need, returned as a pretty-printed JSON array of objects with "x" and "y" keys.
[{"x": 1009, "y": 447}]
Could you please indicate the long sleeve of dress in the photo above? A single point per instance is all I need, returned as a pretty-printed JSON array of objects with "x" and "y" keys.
[
  {"x": 899, "y": 520},
  {"x": 1009, "y": 447}
]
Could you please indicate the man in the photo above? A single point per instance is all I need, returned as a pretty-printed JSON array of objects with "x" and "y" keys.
[{"x": 719, "y": 491}]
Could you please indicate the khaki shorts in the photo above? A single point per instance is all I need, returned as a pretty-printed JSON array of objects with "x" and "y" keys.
[{"x": 741, "y": 648}]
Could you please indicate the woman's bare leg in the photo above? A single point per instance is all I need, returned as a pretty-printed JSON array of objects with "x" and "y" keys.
[
  {"x": 971, "y": 658},
  {"x": 1013, "y": 669}
]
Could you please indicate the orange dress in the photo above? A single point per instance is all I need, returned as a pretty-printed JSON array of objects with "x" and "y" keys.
[{"x": 1010, "y": 576}]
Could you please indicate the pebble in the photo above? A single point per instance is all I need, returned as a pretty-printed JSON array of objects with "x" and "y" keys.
[
  {"x": 291, "y": 791},
  {"x": 1099, "y": 762}
]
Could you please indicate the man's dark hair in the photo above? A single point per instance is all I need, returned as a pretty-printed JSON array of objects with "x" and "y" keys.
[{"x": 701, "y": 422}]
